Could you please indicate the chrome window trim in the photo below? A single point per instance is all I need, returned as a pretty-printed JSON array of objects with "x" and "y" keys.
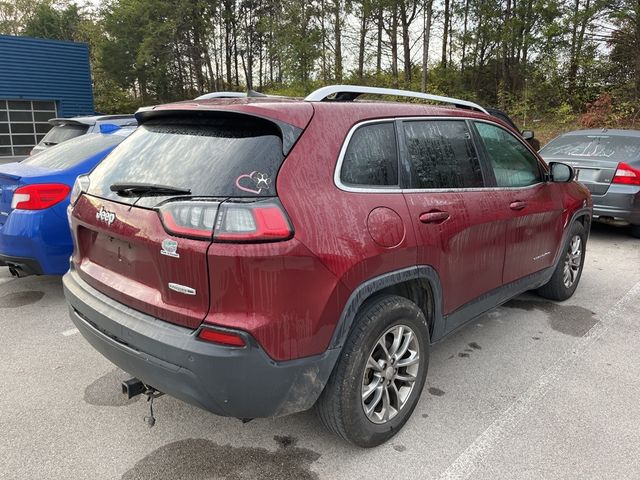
[
  {"x": 343, "y": 150},
  {"x": 392, "y": 189}
]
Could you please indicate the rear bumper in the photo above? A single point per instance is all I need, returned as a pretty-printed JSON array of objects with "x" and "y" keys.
[
  {"x": 28, "y": 266},
  {"x": 620, "y": 202},
  {"x": 39, "y": 238},
  {"x": 235, "y": 382}
]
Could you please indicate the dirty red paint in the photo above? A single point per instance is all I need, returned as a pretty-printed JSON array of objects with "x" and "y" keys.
[{"x": 289, "y": 295}]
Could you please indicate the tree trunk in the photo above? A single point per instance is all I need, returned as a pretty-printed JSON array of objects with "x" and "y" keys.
[
  {"x": 323, "y": 32},
  {"x": 379, "y": 46},
  {"x": 450, "y": 61},
  {"x": 506, "y": 37},
  {"x": 337, "y": 24},
  {"x": 406, "y": 19},
  {"x": 426, "y": 37},
  {"x": 235, "y": 54},
  {"x": 463, "y": 60},
  {"x": 445, "y": 34},
  {"x": 227, "y": 39},
  {"x": 393, "y": 34},
  {"x": 361, "y": 45}
]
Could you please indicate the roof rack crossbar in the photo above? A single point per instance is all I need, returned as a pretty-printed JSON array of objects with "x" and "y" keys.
[{"x": 351, "y": 92}]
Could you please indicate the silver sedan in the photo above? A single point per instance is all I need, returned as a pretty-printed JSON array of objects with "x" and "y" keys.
[{"x": 608, "y": 164}]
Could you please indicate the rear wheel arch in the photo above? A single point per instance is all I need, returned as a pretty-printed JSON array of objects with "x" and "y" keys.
[
  {"x": 585, "y": 220},
  {"x": 418, "y": 290},
  {"x": 420, "y": 284}
]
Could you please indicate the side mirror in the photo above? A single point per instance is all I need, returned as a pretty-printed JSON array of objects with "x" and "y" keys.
[
  {"x": 528, "y": 135},
  {"x": 561, "y": 172}
]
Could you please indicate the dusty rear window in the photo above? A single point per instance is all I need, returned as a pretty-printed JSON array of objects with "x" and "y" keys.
[
  {"x": 604, "y": 147},
  {"x": 218, "y": 156},
  {"x": 72, "y": 152},
  {"x": 62, "y": 133}
]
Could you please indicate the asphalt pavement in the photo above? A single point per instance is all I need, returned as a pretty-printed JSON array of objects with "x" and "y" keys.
[{"x": 533, "y": 389}]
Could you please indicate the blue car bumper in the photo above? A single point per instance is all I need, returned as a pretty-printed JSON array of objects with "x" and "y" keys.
[{"x": 37, "y": 241}]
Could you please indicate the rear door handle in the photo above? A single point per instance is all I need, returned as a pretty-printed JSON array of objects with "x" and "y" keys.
[
  {"x": 434, "y": 217},
  {"x": 517, "y": 205}
]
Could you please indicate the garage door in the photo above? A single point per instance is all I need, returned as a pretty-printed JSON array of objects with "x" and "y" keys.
[{"x": 23, "y": 123}]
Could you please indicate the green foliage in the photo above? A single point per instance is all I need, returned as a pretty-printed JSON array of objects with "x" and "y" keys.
[
  {"x": 54, "y": 23},
  {"x": 537, "y": 59}
]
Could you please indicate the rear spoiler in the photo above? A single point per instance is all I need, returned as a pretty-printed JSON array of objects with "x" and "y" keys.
[
  {"x": 57, "y": 122},
  {"x": 10, "y": 176},
  {"x": 289, "y": 133}
]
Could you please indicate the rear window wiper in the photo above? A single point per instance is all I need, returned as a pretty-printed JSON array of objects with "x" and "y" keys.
[{"x": 146, "y": 189}]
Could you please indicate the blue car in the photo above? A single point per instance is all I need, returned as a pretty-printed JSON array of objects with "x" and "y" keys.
[{"x": 34, "y": 195}]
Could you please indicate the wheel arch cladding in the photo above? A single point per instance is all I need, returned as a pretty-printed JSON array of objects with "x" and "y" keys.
[{"x": 420, "y": 284}]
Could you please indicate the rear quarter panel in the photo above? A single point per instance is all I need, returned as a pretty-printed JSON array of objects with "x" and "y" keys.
[
  {"x": 331, "y": 223},
  {"x": 575, "y": 198}
]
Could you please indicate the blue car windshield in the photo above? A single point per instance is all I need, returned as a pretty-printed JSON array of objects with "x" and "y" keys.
[{"x": 72, "y": 152}]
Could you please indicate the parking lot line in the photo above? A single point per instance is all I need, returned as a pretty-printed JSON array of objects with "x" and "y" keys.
[{"x": 475, "y": 454}]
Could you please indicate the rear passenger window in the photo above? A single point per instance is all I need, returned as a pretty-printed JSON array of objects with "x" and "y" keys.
[
  {"x": 371, "y": 158},
  {"x": 513, "y": 164},
  {"x": 442, "y": 155}
]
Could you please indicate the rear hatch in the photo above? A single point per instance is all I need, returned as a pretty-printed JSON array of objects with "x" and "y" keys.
[
  {"x": 594, "y": 156},
  {"x": 144, "y": 225},
  {"x": 63, "y": 130}
]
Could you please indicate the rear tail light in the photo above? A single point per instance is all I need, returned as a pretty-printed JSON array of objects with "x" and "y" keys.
[
  {"x": 627, "y": 175},
  {"x": 221, "y": 337},
  {"x": 39, "y": 196},
  {"x": 261, "y": 221},
  {"x": 80, "y": 186},
  {"x": 189, "y": 218}
]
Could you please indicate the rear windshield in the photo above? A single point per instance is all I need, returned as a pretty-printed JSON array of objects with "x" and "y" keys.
[
  {"x": 604, "y": 147},
  {"x": 216, "y": 156},
  {"x": 69, "y": 154},
  {"x": 63, "y": 133}
]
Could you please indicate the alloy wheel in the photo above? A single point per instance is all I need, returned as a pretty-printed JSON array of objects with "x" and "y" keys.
[
  {"x": 390, "y": 374},
  {"x": 572, "y": 261}
]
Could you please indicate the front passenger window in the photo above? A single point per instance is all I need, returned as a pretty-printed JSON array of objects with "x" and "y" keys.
[{"x": 513, "y": 164}]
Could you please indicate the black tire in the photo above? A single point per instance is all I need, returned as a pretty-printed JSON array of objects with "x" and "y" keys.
[
  {"x": 555, "y": 288},
  {"x": 341, "y": 406},
  {"x": 635, "y": 231}
]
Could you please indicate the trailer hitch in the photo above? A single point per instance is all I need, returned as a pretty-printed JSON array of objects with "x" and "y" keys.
[{"x": 134, "y": 387}]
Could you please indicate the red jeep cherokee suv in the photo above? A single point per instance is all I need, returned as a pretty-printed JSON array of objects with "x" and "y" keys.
[{"x": 257, "y": 256}]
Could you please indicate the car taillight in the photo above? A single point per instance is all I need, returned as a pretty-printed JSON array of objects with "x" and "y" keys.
[
  {"x": 189, "y": 218},
  {"x": 260, "y": 221},
  {"x": 263, "y": 221},
  {"x": 39, "y": 196},
  {"x": 80, "y": 186},
  {"x": 626, "y": 175},
  {"x": 221, "y": 337}
]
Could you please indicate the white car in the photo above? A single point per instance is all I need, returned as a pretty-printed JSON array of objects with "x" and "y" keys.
[{"x": 67, "y": 128}]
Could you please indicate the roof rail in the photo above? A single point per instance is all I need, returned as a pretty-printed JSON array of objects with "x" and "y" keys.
[{"x": 347, "y": 93}]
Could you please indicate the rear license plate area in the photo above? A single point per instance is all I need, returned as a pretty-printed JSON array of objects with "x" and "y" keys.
[{"x": 113, "y": 252}]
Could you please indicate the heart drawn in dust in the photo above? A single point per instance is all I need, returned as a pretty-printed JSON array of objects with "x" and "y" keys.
[{"x": 246, "y": 181}]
